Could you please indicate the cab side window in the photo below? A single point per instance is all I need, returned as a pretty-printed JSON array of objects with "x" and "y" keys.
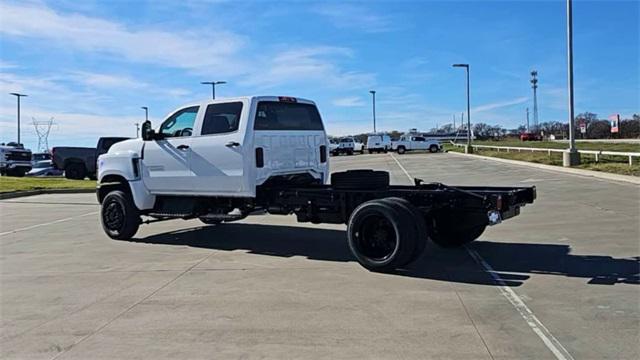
[
  {"x": 180, "y": 123},
  {"x": 221, "y": 118}
]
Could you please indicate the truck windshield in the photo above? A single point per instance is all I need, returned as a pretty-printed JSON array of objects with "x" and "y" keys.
[{"x": 275, "y": 115}]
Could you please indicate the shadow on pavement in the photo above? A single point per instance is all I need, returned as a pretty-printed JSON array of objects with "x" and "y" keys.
[{"x": 511, "y": 261}]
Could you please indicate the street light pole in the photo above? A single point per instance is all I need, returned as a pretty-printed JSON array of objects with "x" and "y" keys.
[
  {"x": 18, "y": 96},
  {"x": 572, "y": 156},
  {"x": 213, "y": 86},
  {"x": 373, "y": 92},
  {"x": 468, "y": 149}
]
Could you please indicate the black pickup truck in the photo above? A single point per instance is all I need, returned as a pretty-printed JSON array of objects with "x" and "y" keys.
[{"x": 80, "y": 162}]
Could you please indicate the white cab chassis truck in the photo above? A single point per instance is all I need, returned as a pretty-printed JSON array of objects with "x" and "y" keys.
[{"x": 222, "y": 160}]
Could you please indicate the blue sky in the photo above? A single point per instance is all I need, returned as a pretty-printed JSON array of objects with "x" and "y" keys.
[{"x": 92, "y": 64}]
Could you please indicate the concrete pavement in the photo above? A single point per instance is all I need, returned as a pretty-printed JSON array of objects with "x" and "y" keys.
[{"x": 268, "y": 287}]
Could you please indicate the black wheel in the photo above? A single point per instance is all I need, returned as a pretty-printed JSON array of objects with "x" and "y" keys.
[
  {"x": 370, "y": 151},
  {"x": 419, "y": 223},
  {"x": 93, "y": 176},
  {"x": 349, "y": 152},
  {"x": 433, "y": 148},
  {"x": 456, "y": 228},
  {"x": 380, "y": 236},
  {"x": 16, "y": 172},
  {"x": 75, "y": 171},
  {"x": 360, "y": 179},
  {"x": 401, "y": 150},
  {"x": 209, "y": 221},
  {"x": 119, "y": 215}
]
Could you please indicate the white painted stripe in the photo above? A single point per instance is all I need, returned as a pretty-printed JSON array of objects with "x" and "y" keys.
[
  {"x": 402, "y": 167},
  {"x": 45, "y": 224},
  {"x": 534, "y": 323}
]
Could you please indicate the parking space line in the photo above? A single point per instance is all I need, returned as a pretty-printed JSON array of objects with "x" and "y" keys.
[
  {"x": 45, "y": 224},
  {"x": 529, "y": 317}
]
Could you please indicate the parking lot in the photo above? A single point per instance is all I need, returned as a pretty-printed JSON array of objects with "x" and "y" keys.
[{"x": 559, "y": 281}]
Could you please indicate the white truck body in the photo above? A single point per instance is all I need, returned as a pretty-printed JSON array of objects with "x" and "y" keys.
[
  {"x": 414, "y": 142},
  {"x": 348, "y": 145},
  {"x": 215, "y": 153},
  {"x": 378, "y": 143}
]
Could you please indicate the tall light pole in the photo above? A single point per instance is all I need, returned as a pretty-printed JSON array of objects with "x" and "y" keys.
[
  {"x": 373, "y": 92},
  {"x": 571, "y": 157},
  {"x": 468, "y": 149},
  {"x": 213, "y": 86},
  {"x": 17, "y": 95},
  {"x": 527, "y": 119}
]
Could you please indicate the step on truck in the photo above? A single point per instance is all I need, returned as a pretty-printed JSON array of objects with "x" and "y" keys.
[{"x": 223, "y": 160}]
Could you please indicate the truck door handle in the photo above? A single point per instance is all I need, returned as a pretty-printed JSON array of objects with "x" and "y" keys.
[
  {"x": 183, "y": 147},
  {"x": 232, "y": 144}
]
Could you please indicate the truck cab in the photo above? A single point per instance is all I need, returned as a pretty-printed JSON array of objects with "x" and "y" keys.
[{"x": 223, "y": 148}]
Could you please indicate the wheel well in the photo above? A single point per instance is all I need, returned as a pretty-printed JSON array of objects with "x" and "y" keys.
[
  {"x": 75, "y": 161},
  {"x": 110, "y": 183}
]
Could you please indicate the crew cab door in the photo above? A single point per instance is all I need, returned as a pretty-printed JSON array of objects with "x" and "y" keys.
[
  {"x": 419, "y": 143},
  {"x": 165, "y": 162},
  {"x": 218, "y": 151}
]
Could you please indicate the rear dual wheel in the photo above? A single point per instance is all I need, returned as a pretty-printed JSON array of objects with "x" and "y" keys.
[
  {"x": 386, "y": 234},
  {"x": 449, "y": 228}
]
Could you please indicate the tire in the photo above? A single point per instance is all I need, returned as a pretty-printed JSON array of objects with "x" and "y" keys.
[
  {"x": 455, "y": 228},
  {"x": 360, "y": 179},
  {"x": 349, "y": 152},
  {"x": 93, "y": 176},
  {"x": 401, "y": 150},
  {"x": 380, "y": 237},
  {"x": 433, "y": 148},
  {"x": 370, "y": 151},
  {"x": 209, "y": 221},
  {"x": 420, "y": 225},
  {"x": 119, "y": 216},
  {"x": 75, "y": 171},
  {"x": 16, "y": 172}
]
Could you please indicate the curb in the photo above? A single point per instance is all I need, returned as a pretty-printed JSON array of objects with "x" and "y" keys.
[
  {"x": 580, "y": 172},
  {"x": 17, "y": 194}
]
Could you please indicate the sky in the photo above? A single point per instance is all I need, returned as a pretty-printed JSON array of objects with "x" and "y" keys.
[{"x": 91, "y": 65}]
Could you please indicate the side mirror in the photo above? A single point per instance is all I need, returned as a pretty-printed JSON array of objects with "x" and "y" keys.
[{"x": 147, "y": 131}]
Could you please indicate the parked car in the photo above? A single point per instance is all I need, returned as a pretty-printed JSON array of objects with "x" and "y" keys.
[
  {"x": 15, "y": 160},
  {"x": 35, "y": 157},
  {"x": 412, "y": 142},
  {"x": 80, "y": 162},
  {"x": 530, "y": 137},
  {"x": 333, "y": 146},
  {"x": 348, "y": 145},
  {"x": 44, "y": 168},
  {"x": 378, "y": 143},
  {"x": 223, "y": 160}
]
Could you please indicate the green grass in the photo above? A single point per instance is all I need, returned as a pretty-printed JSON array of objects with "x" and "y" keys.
[
  {"x": 604, "y": 146},
  {"x": 8, "y": 183},
  {"x": 610, "y": 164}
]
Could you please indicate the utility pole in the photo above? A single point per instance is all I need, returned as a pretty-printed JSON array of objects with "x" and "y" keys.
[
  {"x": 534, "y": 86},
  {"x": 528, "y": 120},
  {"x": 373, "y": 92},
  {"x": 213, "y": 86},
  {"x": 18, "y": 96},
  {"x": 571, "y": 157}
]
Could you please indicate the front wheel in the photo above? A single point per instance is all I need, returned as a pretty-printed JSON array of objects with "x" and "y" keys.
[
  {"x": 75, "y": 171},
  {"x": 119, "y": 215},
  {"x": 401, "y": 150},
  {"x": 433, "y": 148}
]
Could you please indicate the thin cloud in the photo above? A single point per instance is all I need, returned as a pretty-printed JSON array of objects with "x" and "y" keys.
[
  {"x": 497, "y": 105},
  {"x": 189, "y": 50},
  {"x": 355, "y": 17},
  {"x": 351, "y": 101}
]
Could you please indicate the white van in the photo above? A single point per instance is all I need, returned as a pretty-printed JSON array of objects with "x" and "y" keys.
[{"x": 378, "y": 143}]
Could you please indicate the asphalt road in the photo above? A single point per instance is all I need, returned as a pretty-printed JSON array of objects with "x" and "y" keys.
[{"x": 559, "y": 281}]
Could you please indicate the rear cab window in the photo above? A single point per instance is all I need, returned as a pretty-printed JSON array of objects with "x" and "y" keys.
[
  {"x": 221, "y": 118},
  {"x": 279, "y": 115}
]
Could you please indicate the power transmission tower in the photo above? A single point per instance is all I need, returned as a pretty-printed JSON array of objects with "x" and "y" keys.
[
  {"x": 534, "y": 86},
  {"x": 43, "y": 128}
]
